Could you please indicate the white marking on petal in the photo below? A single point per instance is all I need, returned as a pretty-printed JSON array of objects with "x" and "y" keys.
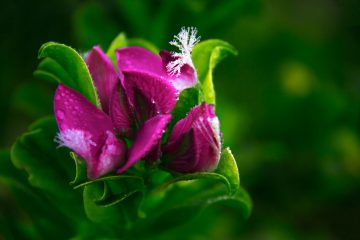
[
  {"x": 215, "y": 125},
  {"x": 209, "y": 136},
  {"x": 110, "y": 154},
  {"x": 184, "y": 41},
  {"x": 180, "y": 84},
  {"x": 78, "y": 140}
]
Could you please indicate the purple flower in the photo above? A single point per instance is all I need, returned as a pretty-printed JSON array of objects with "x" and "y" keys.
[
  {"x": 87, "y": 131},
  {"x": 195, "y": 142},
  {"x": 136, "y": 102},
  {"x": 132, "y": 101}
]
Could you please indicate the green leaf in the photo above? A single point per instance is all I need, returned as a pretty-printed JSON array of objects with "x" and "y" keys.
[
  {"x": 114, "y": 210},
  {"x": 77, "y": 74},
  {"x": 111, "y": 215},
  {"x": 122, "y": 41},
  {"x": 188, "y": 99},
  {"x": 181, "y": 188},
  {"x": 228, "y": 168},
  {"x": 50, "y": 70},
  {"x": 206, "y": 55},
  {"x": 125, "y": 190},
  {"x": 168, "y": 217},
  {"x": 49, "y": 169},
  {"x": 111, "y": 178},
  {"x": 35, "y": 217},
  {"x": 80, "y": 169},
  {"x": 197, "y": 176},
  {"x": 119, "y": 42},
  {"x": 6, "y": 166}
]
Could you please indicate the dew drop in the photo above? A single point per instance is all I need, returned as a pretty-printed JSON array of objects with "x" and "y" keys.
[{"x": 60, "y": 114}]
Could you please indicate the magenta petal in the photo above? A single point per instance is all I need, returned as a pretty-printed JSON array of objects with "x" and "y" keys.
[
  {"x": 146, "y": 138},
  {"x": 112, "y": 154},
  {"x": 120, "y": 113},
  {"x": 149, "y": 95},
  {"x": 103, "y": 74},
  {"x": 88, "y": 131},
  {"x": 194, "y": 144},
  {"x": 139, "y": 59},
  {"x": 187, "y": 77}
]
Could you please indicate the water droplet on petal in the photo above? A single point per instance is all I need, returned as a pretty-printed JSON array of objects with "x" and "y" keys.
[{"x": 60, "y": 114}]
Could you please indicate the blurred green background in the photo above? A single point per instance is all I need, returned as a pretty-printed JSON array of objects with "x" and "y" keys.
[{"x": 288, "y": 103}]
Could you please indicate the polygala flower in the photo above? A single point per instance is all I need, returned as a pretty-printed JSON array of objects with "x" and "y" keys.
[
  {"x": 195, "y": 142},
  {"x": 136, "y": 104},
  {"x": 87, "y": 131}
]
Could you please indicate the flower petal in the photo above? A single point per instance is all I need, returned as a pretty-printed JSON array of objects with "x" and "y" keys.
[
  {"x": 187, "y": 77},
  {"x": 147, "y": 137},
  {"x": 138, "y": 59},
  {"x": 194, "y": 144},
  {"x": 181, "y": 155},
  {"x": 103, "y": 74},
  {"x": 88, "y": 131},
  {"x": 149, "y": 95},
  {"x": 119, "y": 111},
  {"x": 112, "y": 154}
]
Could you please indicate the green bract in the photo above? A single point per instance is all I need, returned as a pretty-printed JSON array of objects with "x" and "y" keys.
[
  {"x": 68, "y": 67},
  {"x": 206, "y": 55}
]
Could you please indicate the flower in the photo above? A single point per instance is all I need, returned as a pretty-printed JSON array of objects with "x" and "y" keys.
[
  {"x": 195, "y": 142},
  {"x": 87, "y": 131},
  {"x": 136, "y": 103}
]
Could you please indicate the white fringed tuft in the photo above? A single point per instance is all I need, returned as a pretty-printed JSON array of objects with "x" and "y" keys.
[{"x": 185, "y": 40}]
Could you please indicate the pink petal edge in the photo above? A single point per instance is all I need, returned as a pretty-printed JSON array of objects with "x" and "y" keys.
[{"x": 147, "y": 137}]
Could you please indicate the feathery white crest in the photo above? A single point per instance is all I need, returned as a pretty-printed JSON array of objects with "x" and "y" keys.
[
  {"x": 77, "y": 140},
  {"x": 184, "y": 41}
]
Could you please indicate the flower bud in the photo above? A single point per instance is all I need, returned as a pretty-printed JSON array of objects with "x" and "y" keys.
[{"x": 194, "y": 144}]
